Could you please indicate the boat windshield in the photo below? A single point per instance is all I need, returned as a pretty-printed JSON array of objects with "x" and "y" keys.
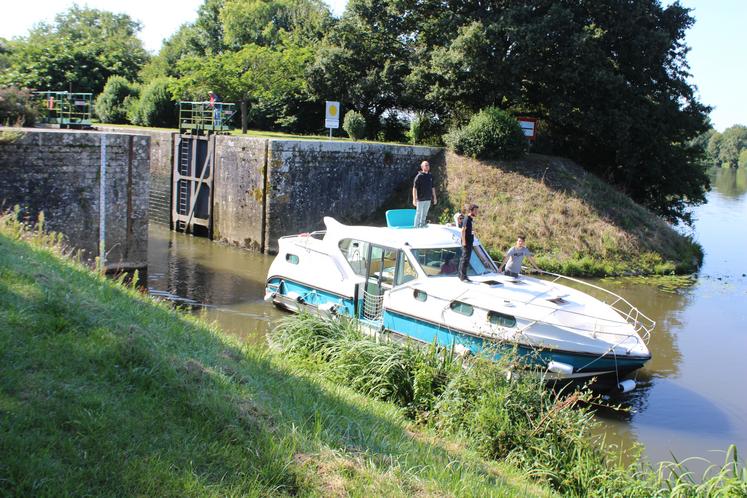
[{"x": 444, "y": 261}]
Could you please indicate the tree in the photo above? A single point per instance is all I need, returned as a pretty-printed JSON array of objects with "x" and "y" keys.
[
  {"x": 271, "y": 23},
  {"x": 733, "y": 141},
  {"x": 79, "y": 51},
  {"x": 112, "y": 103},
  {"x": 364, "y": 61},
  {"x": 271, "y": 83}
]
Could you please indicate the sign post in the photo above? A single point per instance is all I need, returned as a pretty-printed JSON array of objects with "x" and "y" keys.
[
  {"x": 332, "y": 116},
  {"x": 528, "y": 127}
]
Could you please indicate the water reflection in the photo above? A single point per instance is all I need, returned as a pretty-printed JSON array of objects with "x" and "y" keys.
[
  {"x": 223, "y": 283},
  {"x": 729, "y": 182}
]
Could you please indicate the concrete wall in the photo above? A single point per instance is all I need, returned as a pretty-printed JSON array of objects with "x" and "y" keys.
[
  {"x": 161, "y": 156},
  {"x": 239, "y": 191},
  {"x": 308, "y": 180},
  {"x": 58, "y": 172}
]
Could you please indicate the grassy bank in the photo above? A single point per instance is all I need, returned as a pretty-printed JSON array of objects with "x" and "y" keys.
[
  {"x": 515, "y": 419},
  {"x": 574, "y": 222},
  {"x": 105, "y": 392}
]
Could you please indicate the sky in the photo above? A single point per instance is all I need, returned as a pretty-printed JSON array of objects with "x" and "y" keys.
[{"x": 718, "y": 60}]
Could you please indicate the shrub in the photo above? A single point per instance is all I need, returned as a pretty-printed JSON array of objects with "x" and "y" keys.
[
  {"x": 17, "y": 108},
  {"x": 155, "y": 106},
  {"x": 392, "y": 129},
  {"x": 354, "y": 124},
  {"x": 426, "y": 129},
  {"x": 111, "y": 104},
  {"x": 490, "y": 134}
]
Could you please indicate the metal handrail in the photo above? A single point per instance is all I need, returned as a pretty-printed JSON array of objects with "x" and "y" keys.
[{"x": 630, "y": 313}]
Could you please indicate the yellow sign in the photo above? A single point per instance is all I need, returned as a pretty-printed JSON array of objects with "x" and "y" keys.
[{"x": 332, "y": 114}]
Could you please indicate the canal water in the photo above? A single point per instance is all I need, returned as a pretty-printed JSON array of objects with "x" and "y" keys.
[{"x": 692, "y": 396}]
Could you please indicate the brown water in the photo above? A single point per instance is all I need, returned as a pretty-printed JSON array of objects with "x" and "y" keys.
[{"x": 691, "y": 398}]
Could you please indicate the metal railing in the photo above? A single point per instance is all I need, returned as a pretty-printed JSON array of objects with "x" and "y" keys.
[
  {"x": 69, "y": 110},
  {"x": 202, "y": 117},
  {"x": 642, "y": 324}
]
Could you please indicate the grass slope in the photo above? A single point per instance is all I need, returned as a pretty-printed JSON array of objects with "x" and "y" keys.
[
  {"x": 576, "y": 223},
  {"x": 105, "y": 392}
]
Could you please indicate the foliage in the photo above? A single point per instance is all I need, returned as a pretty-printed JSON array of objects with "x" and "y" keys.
[
  {"x": 742, "y": 161},
  {"x": 363, "y": 62},
  {"x": 17, "y": 108},
  {"x": 426, "y": 129},
  {"x": 608, "y": 80},
  {"x": 271, "y": 81},
  {"x": 79, "y": 51},
  {"x": 505, "y": 417},
  {"x": 724, "y": 149},
  {"x": 155, "y": 107},
  {"x": 111, "y": 103},
  {"x": 354, "y": 124},
  {"x": 490, "y": 134},
  {"x": 393, "y": 128},
  {"x": 270, "y": 22}
]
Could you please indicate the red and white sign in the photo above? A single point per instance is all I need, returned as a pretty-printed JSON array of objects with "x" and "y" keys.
[{"x": 529, "y": 127}]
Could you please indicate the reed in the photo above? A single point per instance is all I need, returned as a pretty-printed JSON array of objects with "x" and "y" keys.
[{"x": 512, "y": 418}]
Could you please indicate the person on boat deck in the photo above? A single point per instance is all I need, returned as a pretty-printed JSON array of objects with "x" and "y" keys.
[
  {"x": 511, "y": 264},
  {"x": 468, "y": 238},
  {"x": 423, "y": 192},
  {"x": 449, "y": 266}
]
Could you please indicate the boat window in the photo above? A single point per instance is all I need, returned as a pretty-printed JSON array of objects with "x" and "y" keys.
[
  {"x": 557, "y": 300},
  {"x": 444, "y": 261},
  {"x": 500, "y": 319},
  {"x": 291, "y": 258},
  {"x": 383, "y": 264},
  {"x": 405, "y": 270},
  {"x": 462, "y": 308},
  {"x": 355, "y": 253},
  {"x": 488, "y": 265},
  {"x": 419, "y": 295}
]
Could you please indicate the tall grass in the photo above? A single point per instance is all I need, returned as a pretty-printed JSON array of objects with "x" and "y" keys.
[{"x": 513, "y": 418}]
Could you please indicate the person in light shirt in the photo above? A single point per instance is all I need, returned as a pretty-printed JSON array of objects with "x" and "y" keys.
[{"x": 511, "y": 264}]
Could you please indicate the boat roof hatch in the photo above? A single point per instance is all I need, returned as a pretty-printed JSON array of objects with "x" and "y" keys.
[{"x": 400, "y": 218}]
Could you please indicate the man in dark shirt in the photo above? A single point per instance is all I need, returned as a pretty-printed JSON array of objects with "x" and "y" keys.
[
  {"x": 423, "y": 193},
  {"x": 468, "y": 238}
]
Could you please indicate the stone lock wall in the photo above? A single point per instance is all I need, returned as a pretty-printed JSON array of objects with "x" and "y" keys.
[{"x": 58, "y": 172}]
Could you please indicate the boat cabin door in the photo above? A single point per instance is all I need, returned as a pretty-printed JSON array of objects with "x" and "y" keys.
[{"x": 382, "y": 262}]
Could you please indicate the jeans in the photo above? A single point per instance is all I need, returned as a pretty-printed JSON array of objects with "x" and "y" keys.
[
  {"x": 464, "y": 262},
  {"x": 421, "y": 212}
]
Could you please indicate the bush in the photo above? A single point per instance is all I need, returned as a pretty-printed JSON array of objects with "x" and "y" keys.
[
  {"x": 17, "y": 108},
  {"x": 111, "y": 104},
  {"x": 490, "y": 134},
  {"x": 354, "y": 124},
  {"x": 425, "y": 129},
  {"x": 393, "y": 129},
  {"x": 155, "y": 106}
]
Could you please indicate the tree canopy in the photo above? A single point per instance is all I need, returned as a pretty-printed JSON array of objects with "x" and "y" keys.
[{"x": 78, "y": 51}]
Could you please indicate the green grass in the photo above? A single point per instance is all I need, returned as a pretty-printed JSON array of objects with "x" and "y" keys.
[
  {"x": 574, "y": 222},
  {"x": 515, "y": 419},
  {"x": 104, "y": 391}
]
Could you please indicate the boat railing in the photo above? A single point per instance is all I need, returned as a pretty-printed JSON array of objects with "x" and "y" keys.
[{"x": 642, "y": 324}]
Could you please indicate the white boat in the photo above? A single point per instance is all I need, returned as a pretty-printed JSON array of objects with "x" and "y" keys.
[{"x": 404, "y": 281}]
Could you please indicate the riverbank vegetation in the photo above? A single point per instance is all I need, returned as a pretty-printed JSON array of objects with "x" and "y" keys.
[
  {"x": 511, "y": 418},
  {"x": 625, "y": 114},
  {"x": 104, "y": 391},
  {"x": 575, "y": 223}
]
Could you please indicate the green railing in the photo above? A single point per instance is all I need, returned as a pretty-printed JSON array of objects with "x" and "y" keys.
[
  {"x": 66, "y": 109},
  {"x": 202, "y": 117}
]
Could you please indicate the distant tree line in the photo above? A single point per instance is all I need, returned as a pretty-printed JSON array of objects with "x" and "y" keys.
[
  {"x": 607, "y": 80},
  {"x": 727, "y": 149}
]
